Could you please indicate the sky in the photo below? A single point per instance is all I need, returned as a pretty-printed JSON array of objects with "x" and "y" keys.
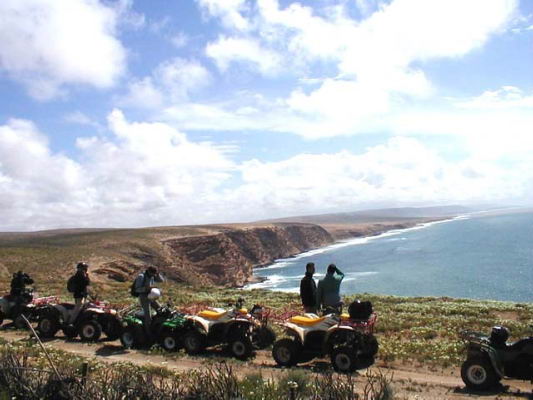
[{"x": 132, "y": 113}]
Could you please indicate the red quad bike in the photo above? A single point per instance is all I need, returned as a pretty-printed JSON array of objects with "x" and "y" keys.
[
  {"x": 94, "y": 318},
  {"x": 29, "y": 307}
]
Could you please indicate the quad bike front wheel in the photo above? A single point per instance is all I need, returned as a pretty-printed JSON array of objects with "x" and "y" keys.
[
  {"x": 241, "y": 347},
  {"x": 343, "y": 359},
  {"x": 48, "y": 325},
  {"x": 479, "y": 374},
  {"x": 286, "y": 352},
  {"x": 127, "y": 338},
  {"x": 90, "y": 331},
  {"x": 194, "y": 342},
  {"x": 19, "y": 322}
]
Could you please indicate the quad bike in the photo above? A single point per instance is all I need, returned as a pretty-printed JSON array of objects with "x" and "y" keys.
[
  {"x": 347, "y": 339},
  {"x": 29, "y": 307},
  {"x": 167, "y": 329},
  {"x": 94, "y": 318},
  {"x": 241, "y": 330},
  {"x": 491, "y": 358}
]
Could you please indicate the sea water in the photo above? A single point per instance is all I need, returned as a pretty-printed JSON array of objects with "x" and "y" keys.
[{"x": 476, "y": 256}]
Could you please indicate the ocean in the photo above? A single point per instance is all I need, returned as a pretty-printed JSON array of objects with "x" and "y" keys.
[{"x": 474, "y": 256}]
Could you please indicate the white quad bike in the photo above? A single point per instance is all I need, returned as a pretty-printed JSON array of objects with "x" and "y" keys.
[
  {"x": 94, "y": 318},
  {"x": 29, "y": 307},
  {"x": 348, "y": 342},
  {"x": 240, "y": 330}
]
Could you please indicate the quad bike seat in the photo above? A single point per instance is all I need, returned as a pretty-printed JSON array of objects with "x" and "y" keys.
[
  {"x": 211, "y": 314},
  {"x": 306, "y": 321}
]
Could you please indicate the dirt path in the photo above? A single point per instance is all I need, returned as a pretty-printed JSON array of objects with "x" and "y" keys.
[{"x": 409, "y": 382}]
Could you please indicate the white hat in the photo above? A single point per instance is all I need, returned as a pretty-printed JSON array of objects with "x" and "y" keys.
[{"x": 154, "y": 294}]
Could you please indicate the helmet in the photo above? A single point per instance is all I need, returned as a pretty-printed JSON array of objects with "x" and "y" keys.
[
  {"x": 499, "y": 335},
  {"x": 82, "y": 265},
  {"x": 154, "y": 294}
]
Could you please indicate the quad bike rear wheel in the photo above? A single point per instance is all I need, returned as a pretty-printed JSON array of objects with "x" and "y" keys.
[
  {"x": 344, "y": 359},
  {"x": 478, "y": 374},
  {"x": 241, "y": 347},
  {"x": 264, "y": 337},
  {"x": 89, "y": 331},
  {"x": 194, "y": 342},
  {"x": 48, "y": 325},
  {"x": 168, "y": 340},
  {"x": 286, "y": 352}
]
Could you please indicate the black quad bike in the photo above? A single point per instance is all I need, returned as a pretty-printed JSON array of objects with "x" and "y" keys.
[
  {"x": 94, "y": 318},
  {"x": 240, "y": 330},
  {"x": 491, "y": 358},
  {"x": 347, "y": 339},
  {"x": 167, "y": 329}
]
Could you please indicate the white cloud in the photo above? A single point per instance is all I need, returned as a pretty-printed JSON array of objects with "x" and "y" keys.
[
  {"x": 229, "y": 11},
  {"x": 47, "y": 44},
  {"x": 171, "y": 81},
  {"x": 180, "y": 39},
  {"x": 506, "y": 97},
  {"x": 151, "y": 174},
  {"x": 401, "y": 171},
  {"x": 144, "y": 174},
  {"x": 233, "y": 50}
]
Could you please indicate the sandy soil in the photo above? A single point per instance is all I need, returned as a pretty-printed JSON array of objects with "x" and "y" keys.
[{"x": 410, "y": 382}]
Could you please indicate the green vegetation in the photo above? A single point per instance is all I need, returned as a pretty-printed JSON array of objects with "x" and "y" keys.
[{"x": 26, "y": 374}]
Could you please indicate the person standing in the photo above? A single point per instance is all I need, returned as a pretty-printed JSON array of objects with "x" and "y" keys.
[
  {"x": 77, "y": 285},
  {"x": 328, "y": 291},
  {"x": 308, "y": 289},
  {"x": 20, "y": 295},
  {"x": 144, "y": 283}
]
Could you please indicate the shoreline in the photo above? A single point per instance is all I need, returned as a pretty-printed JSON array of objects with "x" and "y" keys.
[{"x": 256, "y": 281}]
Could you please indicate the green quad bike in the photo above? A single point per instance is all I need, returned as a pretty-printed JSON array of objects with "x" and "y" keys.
[{"x": 167, "y": 328}]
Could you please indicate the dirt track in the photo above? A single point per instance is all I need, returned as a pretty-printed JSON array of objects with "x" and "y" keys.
[{"x": 409, "y": 382}]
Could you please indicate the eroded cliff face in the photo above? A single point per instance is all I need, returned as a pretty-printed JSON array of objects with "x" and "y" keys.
[
  {"x": 228, "y": 258},
  {"x": 225, "y": 258}
]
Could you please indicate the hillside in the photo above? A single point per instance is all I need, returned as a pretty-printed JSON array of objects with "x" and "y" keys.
[{"x": 221, "y": 255}]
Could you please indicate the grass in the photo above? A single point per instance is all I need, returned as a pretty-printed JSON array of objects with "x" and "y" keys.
[
  {"x": 25, "y": 374},
  {"x": 417, "y": 329}
]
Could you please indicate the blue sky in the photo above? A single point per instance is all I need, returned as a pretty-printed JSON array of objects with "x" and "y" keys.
[{"x": 128, "y": 113}]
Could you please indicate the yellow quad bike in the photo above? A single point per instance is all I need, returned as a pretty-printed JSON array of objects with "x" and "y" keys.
[
  {"x": 348, "y": 341},
  {"x": 240, "y": 330}
]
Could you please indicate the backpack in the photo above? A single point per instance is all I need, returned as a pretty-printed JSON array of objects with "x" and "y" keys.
[
  {"x": 71, "y": 284},
  {"x": 133, "y": 290}
]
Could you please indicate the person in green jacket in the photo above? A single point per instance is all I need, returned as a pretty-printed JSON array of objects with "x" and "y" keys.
[{"x": 328, "y": 291}]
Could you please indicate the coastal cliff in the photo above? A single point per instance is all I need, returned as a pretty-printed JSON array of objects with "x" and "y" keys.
[{"x": 228, "y": 258}]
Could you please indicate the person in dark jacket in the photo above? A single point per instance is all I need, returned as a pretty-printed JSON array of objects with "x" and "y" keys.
[
  {"x": 144, "y": 283},
  {"x": 328, "y": 291},
  {"x": 18, "y": 292},
  {"x": 80, "y": 282},
  {"x": 19, "y": 282},
  {"x": 308, "y": 289}
]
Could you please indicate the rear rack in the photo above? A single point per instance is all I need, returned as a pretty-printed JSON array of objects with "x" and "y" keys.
[{"x": 364, "y": 325}]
